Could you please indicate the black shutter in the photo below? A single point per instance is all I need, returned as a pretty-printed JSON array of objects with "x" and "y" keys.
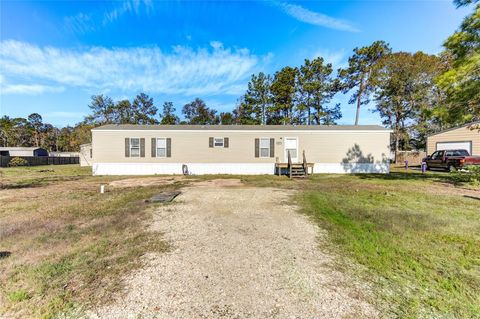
[
  {"x": 169, "y": 147},
  {"x": 127, "y": 147},
  {"x": 272, "y": 147},
  {"x": 154, "y": 147},
  {"x": 257, "y": 147},
  {"x": 142, "y": 147},
  {"x": 225, "y": 142},
  {"x": 210, "y": 142}
]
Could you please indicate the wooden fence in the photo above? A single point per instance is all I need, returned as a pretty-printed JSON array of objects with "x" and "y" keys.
[
  {"x": 413, "y": 157},
  {"x": 41, "y": 160}
]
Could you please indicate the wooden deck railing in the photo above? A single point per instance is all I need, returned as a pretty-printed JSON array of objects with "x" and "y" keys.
[
  {"x": 305, "y": 164},
  {"x": 289, "y": 164}
]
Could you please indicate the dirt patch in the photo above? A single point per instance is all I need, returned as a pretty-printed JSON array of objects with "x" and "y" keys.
[
  {"x": 237, "y": 252},
  {"x": 232, "y": 182},
  {"x": 146, "y": 181}
]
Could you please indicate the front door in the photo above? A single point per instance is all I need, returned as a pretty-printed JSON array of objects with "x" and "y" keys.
[{"x": 291, "y": 144}]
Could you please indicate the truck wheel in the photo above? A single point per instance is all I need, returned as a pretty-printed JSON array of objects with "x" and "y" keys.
[{"x": 451, "y": 168}]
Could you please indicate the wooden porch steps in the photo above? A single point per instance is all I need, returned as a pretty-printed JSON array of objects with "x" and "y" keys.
[
  {"x": 298, "y": 171},
  {"x": 295, "y": 170}
]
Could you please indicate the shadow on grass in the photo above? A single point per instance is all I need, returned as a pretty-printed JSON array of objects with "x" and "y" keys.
[
  {"x": 21, "y": 185},
  {"x": 37, "y": 182},
  {"x": 4, "y": 254},
  {"x": 471, "y": 197},
  {"x": 410, "y": 175}
]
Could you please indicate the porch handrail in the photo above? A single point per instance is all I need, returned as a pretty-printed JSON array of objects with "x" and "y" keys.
[
  {"x": 305, "y": 165},
  {"x": 289, "y": 164}
]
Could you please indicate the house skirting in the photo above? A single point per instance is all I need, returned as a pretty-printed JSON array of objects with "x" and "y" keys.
[
  {"x": 228, "y": 168},
  {"x": 351, "y": 168}
]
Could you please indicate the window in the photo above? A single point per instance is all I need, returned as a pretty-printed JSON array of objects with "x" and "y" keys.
[
  {"x": 439, "y": 155},
  {"x": 218, "y": 142},
  {"x": 135, "y": 147},
  {"x": 264, "y": 147},
  {"x": 161, "y": 147},
  {"x": 457, "y": 153}
]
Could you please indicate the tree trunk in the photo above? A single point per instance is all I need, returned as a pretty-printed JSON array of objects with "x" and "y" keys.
[
  {"x": 357, "y": 115},
  {"x": 263, "y": 114},
  {"x": 359, "y": 101}
]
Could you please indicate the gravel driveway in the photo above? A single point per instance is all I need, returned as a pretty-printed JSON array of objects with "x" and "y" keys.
[{"x": 237, "y": 252}]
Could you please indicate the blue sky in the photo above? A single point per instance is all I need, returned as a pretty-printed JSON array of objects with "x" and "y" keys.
[{"x": 55, "y": 54}]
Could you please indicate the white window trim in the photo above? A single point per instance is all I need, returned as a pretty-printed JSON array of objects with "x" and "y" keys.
[
  {"x": 156, "y": 146},
  {"x": 260, "y": 147},
  {"x": 215, "y": 144},
  {"x": 132, "y": 147}
]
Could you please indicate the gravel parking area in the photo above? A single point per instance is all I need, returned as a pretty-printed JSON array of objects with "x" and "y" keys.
[{"x": 237, "y": 252}]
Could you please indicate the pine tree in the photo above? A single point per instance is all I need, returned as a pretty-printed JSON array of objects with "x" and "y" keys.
[
  {"x": 258, "y": 97},
  {"x": 360, "y": 73},
  {"x": 315, "y": 89},
  {"x": 197, "y": 112},
  {"x": 168, "y": 116},
  {"x": 283, "y": 96}
]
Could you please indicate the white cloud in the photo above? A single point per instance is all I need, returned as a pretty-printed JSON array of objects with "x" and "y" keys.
[
  {"x": 80, "y": 23},
  {"x": 30, "y": 89},
  {"x": 213, "y": 70},
  {"x": 127, "y": 6},
  {"x": 316, "y": 18},
  {"x": 338, "y": 59},
  {"x": 88, "y": 22}
]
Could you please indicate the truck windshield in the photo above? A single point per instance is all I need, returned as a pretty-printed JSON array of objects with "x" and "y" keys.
[{"x": 457, "y": 153}]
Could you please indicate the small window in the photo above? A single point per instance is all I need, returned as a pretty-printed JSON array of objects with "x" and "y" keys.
[
  {"x": 264, "y": 147},
  {"x": 135, "y": 147},
  {"x": 439, "y": 155},
  {"x": 461, "y": 153},
  {"x": 218, "y": 142},
  {"x": 161, "y": 147},
  {"x": 91, "y": 153}
]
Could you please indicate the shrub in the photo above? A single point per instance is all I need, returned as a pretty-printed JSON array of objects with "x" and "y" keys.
[
  {"x": 470, "y": 174},
  {"x": 18, "y": 161}
]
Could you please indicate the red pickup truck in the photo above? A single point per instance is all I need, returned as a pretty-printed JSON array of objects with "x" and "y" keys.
[{"x": 451, "y": 159}]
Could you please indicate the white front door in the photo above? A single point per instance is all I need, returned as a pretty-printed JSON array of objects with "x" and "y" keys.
[{"x": 291, "y": 144}]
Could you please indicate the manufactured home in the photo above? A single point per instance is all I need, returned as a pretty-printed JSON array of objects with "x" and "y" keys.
[
  {"x": 464, "y": 137},
  {"x": 238, "y": 149}
]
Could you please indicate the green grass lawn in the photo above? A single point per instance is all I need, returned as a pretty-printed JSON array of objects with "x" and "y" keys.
[{"x": 417, "y": 239}]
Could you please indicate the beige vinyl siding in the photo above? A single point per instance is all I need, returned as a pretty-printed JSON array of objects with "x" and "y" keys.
[
  {"x": 193, "y": 147},
  {"x": 461, "y": 134}
]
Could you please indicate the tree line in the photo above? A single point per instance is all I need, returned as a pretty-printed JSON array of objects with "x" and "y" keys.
[{"x": 415, "y": 94}]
